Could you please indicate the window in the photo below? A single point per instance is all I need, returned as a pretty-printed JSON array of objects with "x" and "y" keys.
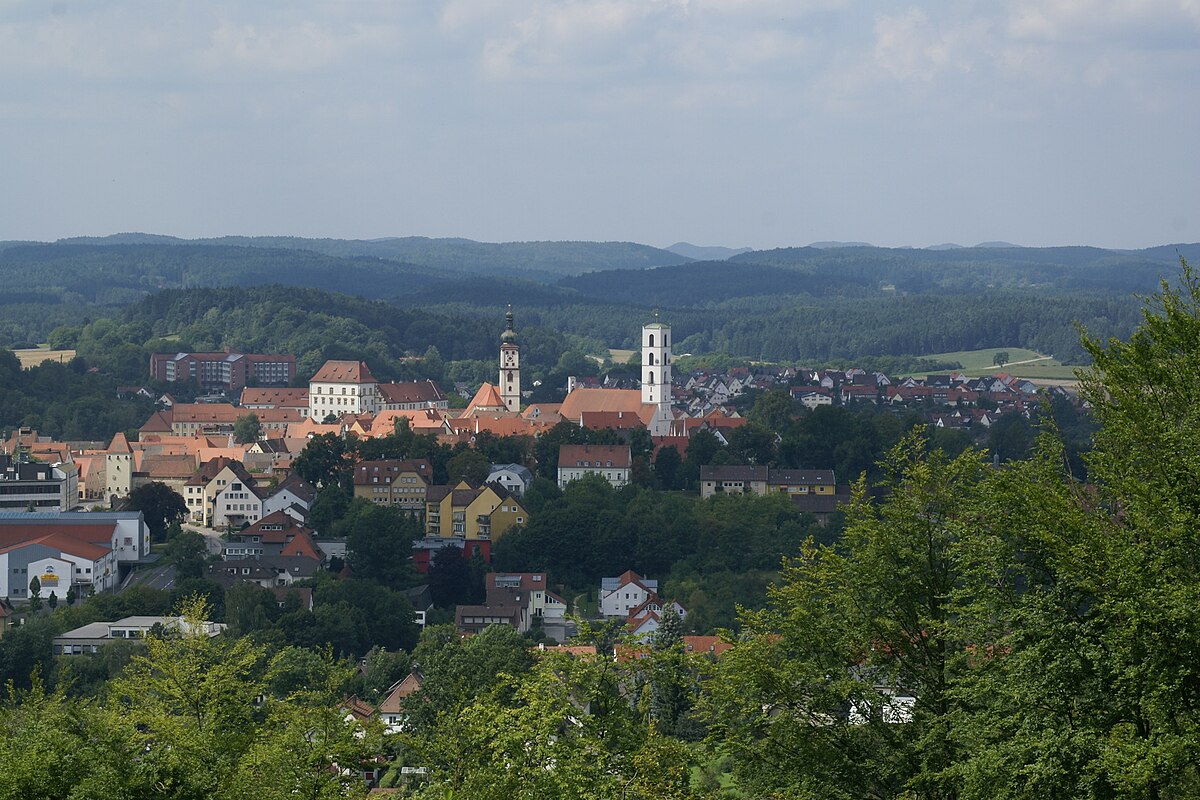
[{"x": 652, "y": 340}]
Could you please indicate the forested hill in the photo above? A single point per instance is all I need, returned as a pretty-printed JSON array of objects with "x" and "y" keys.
[
  {"x": 798, "y": 304},
  {"x": 1067, "y": 269},
  {"x": 117, "y": 274},
  {"x": 543, "y": 260}
]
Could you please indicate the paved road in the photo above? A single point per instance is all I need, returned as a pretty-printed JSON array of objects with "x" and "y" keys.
[
  {"x": 216, "y": 545},
  {"x": 154, "y": 578}
]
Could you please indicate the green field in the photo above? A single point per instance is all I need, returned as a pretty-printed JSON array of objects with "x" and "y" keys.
[{"x": 1036, "y": 366}]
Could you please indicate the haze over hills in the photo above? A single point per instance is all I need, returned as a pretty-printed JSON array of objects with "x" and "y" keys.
[
  {"x": 542, "y": 260},
  {"x": 713, "y": 253}
]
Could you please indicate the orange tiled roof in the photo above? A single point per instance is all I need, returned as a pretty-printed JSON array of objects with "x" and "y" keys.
[
  {"x": 488, "y": 397},
  {"x": 582, "y": 400}
]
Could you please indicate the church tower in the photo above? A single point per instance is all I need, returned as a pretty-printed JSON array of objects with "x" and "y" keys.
[
  {"x": 510, "y": 365},
  {"x": 656, "y": 364}
]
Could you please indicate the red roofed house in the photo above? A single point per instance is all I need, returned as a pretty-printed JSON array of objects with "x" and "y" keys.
[
  {"x": 620, "y": 595},
  {"x": 276, "y": 534},
  {"x": 342, "y": 387},
  {"x": 609, "y": 461}
]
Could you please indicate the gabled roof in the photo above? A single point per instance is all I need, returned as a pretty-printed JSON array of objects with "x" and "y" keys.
[
  {"x": 302, "y": 545},
  {"x": 398, "y": 692},
  {"x": 343, "y": 372},
  {"x": 585, "y": 399},
  {"x": 611, "y": 456},
  {"x": 625, "y": 579},
  {"x": 358, "y": 708},
  {"x": 64, "y": 543},
  {"x": 415, "y": 392},
  {"x": 274, "y": 396},
  {"x": 159, "y": 422},
  {"x": 385, "y": 471},
  {"x": 488, "y": 397},
  {"x": 297, "y": 486},
  {"x": 713, "y": 645},
  {"x": 160, "y": 467},
  {"x": 208, "y": 470},
  {"x": 733, "y": 472},
  {"x": 119, "y": 444}
]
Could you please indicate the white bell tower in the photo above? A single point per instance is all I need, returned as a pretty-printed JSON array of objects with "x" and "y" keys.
[
  {"x": 656, "y": 364},
  {"x": 510, "y": 365}
]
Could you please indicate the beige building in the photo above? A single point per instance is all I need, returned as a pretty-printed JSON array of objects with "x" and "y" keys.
[
  {"x": 399, "y": 484},
  {"x": 759, "y": 480},
  {"x": 210, "y": 482}
]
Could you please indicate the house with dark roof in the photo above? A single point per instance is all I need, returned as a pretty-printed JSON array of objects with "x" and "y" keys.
[
  {"x": 45, "y": 487},
  {"x": 411, "y": 396},
  {"x": 394, "y": 483},
  {"x": 732, "y": 479},
  {"x": 270, "y": 572}
]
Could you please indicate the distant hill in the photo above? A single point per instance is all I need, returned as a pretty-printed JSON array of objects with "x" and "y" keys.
[
  {"x": 700, "y": 253},
  {"x": 1008, "y": 245},
  {"x": 1060, "y": 269},
  {"x": 833, "y": 245},
  {"x": 537, "y": 260}
]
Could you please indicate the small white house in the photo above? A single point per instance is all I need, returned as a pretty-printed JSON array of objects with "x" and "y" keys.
[{"x": 620, "y": 595}]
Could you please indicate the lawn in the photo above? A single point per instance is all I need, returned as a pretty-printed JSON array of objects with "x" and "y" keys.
[{"x": 1035, "y": 366}]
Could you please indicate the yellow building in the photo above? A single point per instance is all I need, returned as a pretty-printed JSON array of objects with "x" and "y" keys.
[
  {"x": 485, "y": 512},
  {"x": 399, "y": 484}
]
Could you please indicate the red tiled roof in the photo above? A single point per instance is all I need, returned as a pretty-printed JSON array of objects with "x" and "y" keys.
[
  {"x": 414, "y": 392},
  {"x": 488, "y": 396},
  {"x": 274, "y": 396},
  {"x": 343, "y": 372},
  {"x": 79, "y": 540},
  {"x": 713, "y": 645},
  {"x": 584, "y": 399},
  {"x": 617, "y": 420},
  {"x": 617, "y": 454}
]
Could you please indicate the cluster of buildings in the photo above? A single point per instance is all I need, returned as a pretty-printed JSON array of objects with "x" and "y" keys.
[
  {"x": 68, "y": 552},
  {"x": 523, "y": 600}
]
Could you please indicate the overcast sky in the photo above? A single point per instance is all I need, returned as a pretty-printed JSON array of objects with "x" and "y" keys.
[{"x": 736, "y": 122}]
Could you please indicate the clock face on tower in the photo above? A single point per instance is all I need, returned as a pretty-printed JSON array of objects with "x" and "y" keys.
[{"x": 509, "y": 359}]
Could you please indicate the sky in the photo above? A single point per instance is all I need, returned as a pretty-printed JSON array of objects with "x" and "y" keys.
[{"x": 743, "y": 123}]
